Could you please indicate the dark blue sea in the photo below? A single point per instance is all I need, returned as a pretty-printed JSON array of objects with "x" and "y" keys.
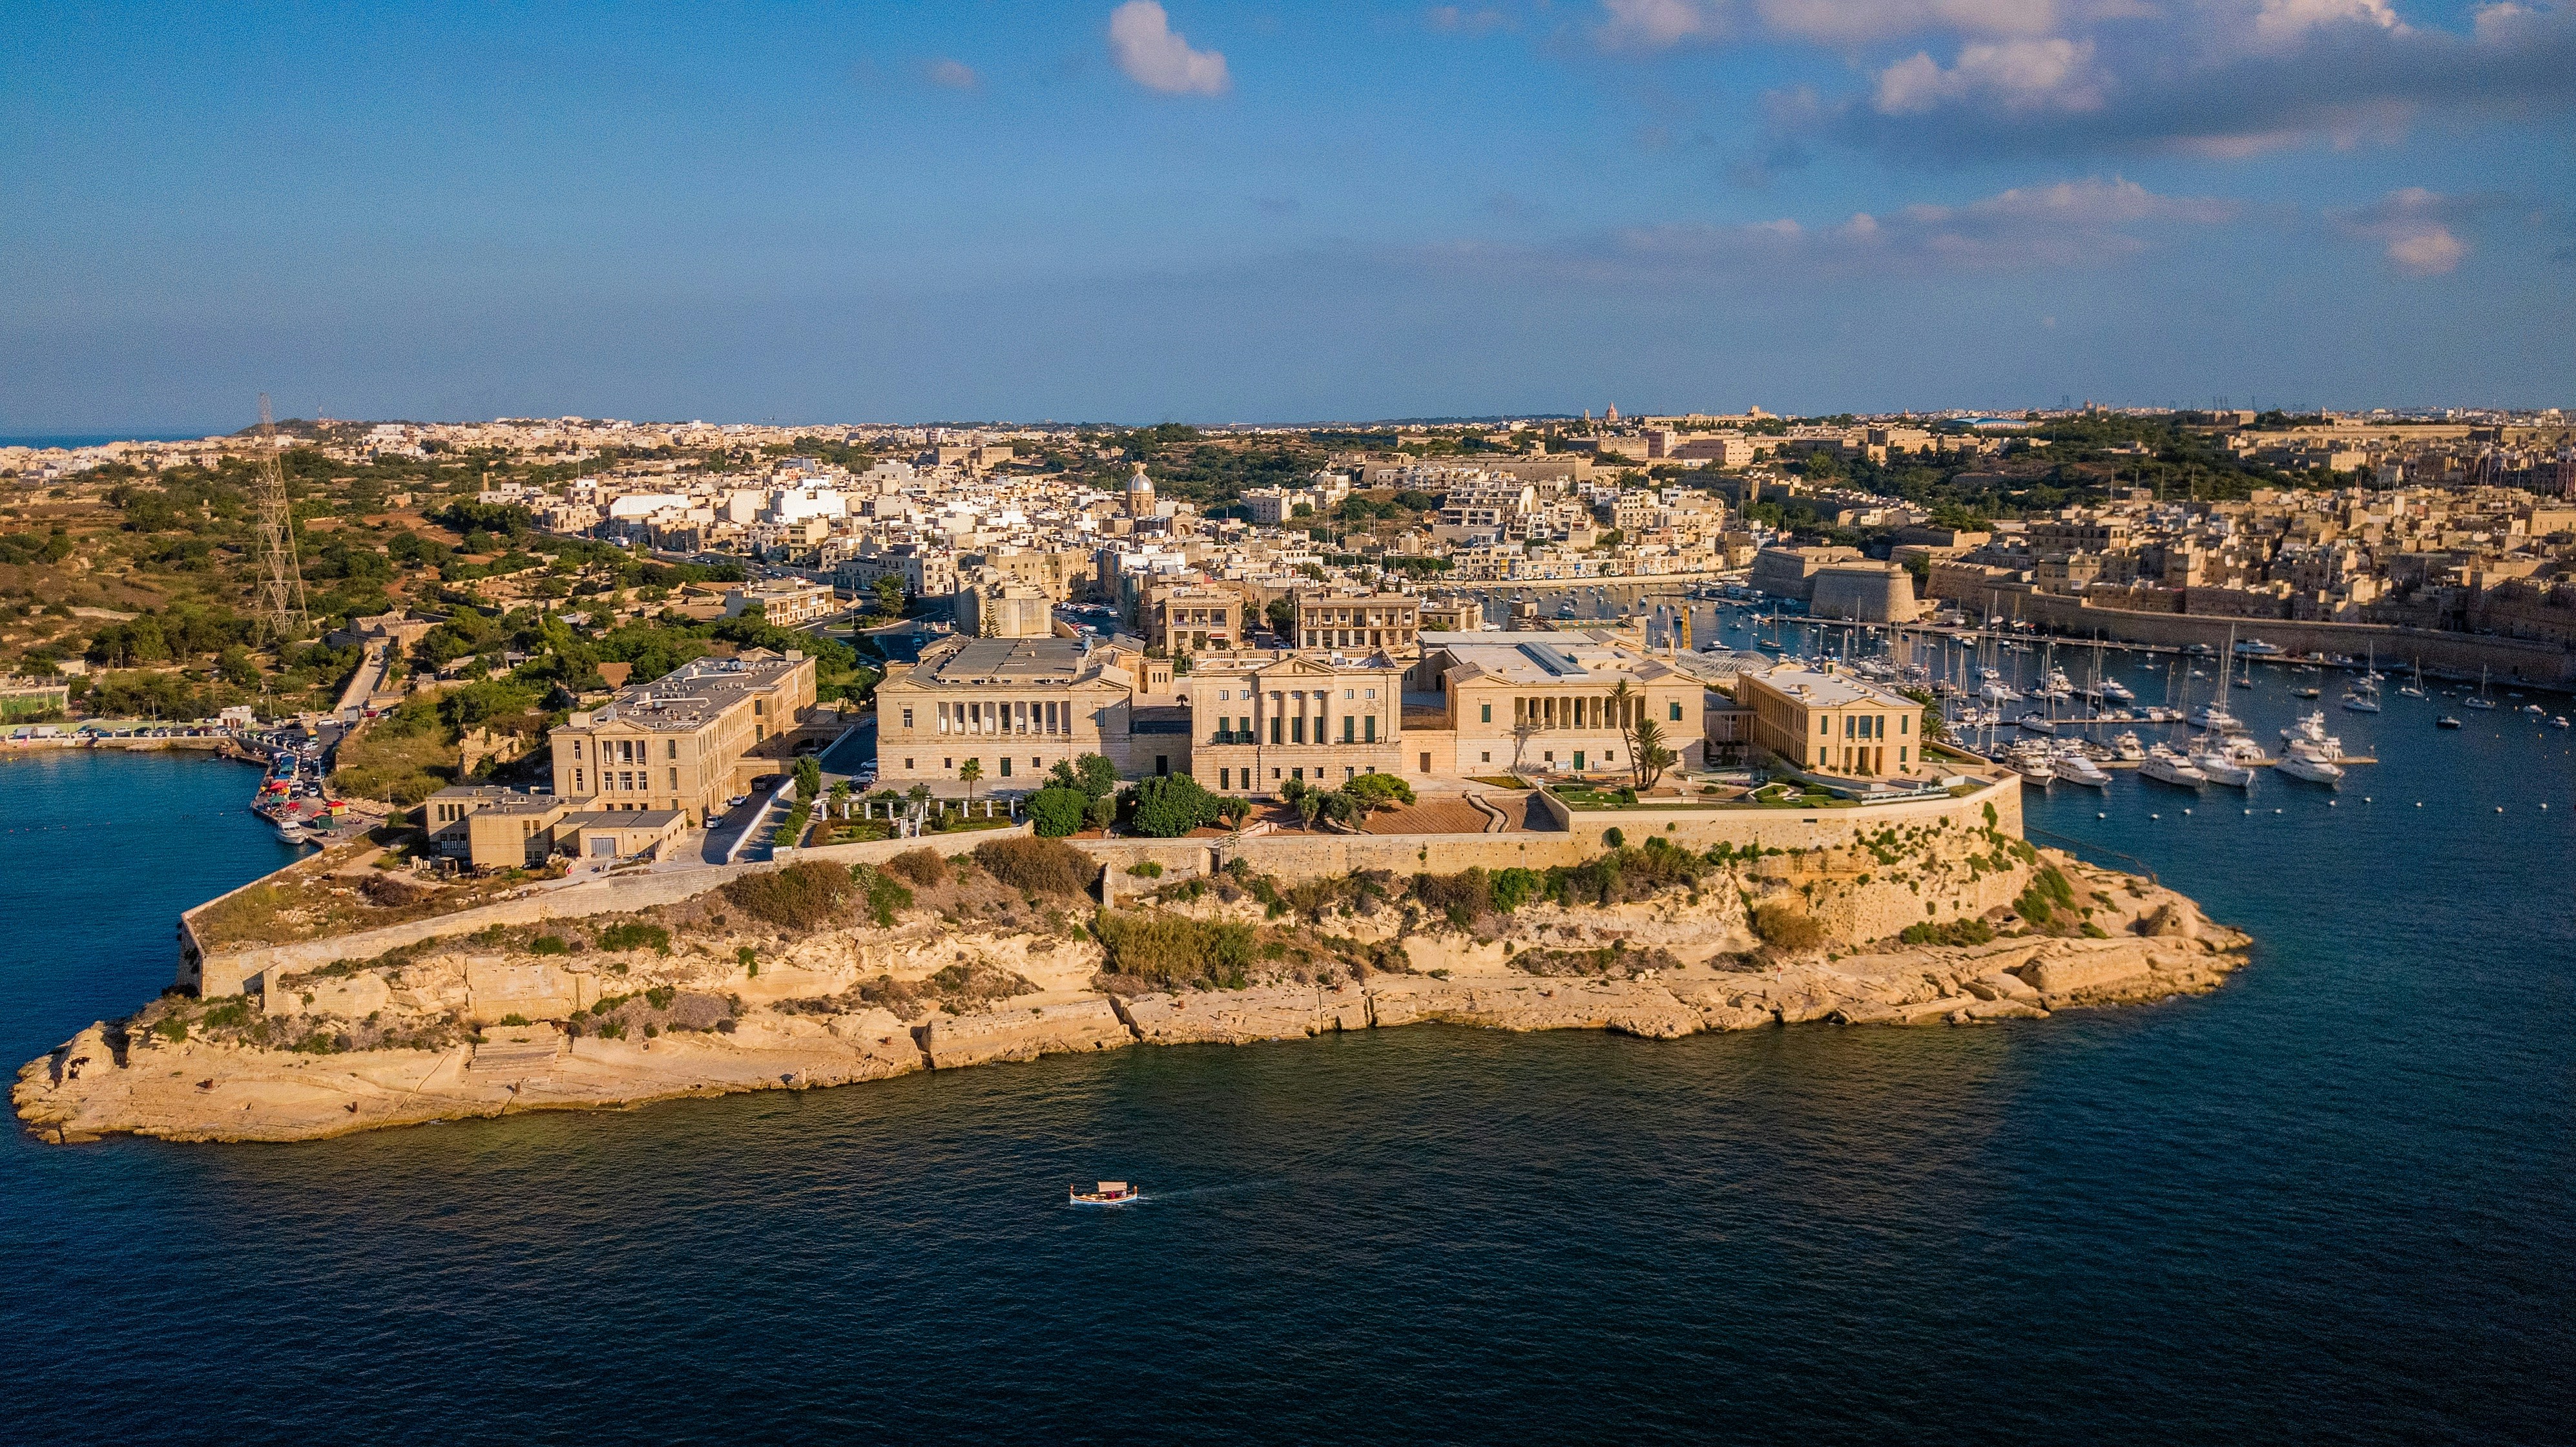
[
  {"x": 96, "y": 439},
  {"x": 2329, "y": 1202}
]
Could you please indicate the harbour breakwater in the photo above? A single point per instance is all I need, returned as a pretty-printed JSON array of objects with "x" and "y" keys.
[{"x": 920, "y": 962}]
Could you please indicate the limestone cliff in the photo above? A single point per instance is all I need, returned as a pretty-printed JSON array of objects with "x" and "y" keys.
[{"x": 832, "y": 976}]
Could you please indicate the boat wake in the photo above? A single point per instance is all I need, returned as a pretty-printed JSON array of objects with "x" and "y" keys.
[{"x": 1187, "y": 1193}]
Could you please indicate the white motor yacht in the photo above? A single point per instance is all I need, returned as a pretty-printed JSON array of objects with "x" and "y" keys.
[
  {"x": 2114, "y": 691},
  {"x": 2304, "y": 760},
  {"x": 2032, "y": 764},
  {"x": 2035, "y": 723},
  {"x": 2360, "y": 703},
  {"x": 2211, "y": 716},
  {"x": 2126, "y": 746},
  {"x": 2218, "y": 768},
  {"x": 2074, "y": 768},
  {"x": 2167, "y": 767},
  {"x": 2312, "y": 732}
]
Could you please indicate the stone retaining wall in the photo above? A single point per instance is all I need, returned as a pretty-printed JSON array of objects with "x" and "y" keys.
[
  {"x": 1290, "y": 858},
  {"x": 2460, "y": 654}
]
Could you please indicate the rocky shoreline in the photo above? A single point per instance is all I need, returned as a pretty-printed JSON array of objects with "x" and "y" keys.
[{"x": 796, "y": 1011}]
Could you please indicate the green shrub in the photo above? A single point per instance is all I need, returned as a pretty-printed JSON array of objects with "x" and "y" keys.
[
  {"x": 1956, "y": 932},
  {"x": 1459, "y": 898},
  {"x": 1379, "y": 791},
  {"x": 1171, "y": 951},
  {"x": 1041, "y": 866},
  {"x": 172, "y": 1029},
  {"x": 1786, "y": 927},
  {"x": 1146, "y": 869},
  {"x": 1615, "y": 837},
  {"x": 924, "y": 867},
  {"x": 635, "y": 934},
  {"x": 1515, "y": 887},
  {"x": 886, "y": 895},
  {"x": 801, "y": 896},
  {"x": 1168, "y": 808},
  {"x": 1056, "y": 812},
  {"x": 514, "y": 1018},
  {"x": 550, "y": 945}
]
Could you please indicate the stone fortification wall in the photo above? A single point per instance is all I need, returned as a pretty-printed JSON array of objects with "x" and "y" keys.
[
  {"x": 230, "y": 972},
  {"x": 2460, "y": 654},
  {"x": 1290, "y": 858}
]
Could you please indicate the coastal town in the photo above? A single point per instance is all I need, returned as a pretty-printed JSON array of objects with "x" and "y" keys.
[
  {"x": 1441, "y": 689},
  {"x": 955, "y": 618}
]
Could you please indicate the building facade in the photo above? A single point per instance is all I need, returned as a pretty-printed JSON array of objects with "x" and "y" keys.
[
  {"x": 1257, "y": 723},
  {"x": 1831, "y": 723},
  {"x": 680, "y": 741}
]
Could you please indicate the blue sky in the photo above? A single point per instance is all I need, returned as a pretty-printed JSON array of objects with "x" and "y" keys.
[{"x": 1212, "y": 212}]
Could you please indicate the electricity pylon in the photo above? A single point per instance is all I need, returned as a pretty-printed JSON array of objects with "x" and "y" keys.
[{"x": 281, "y": 585}]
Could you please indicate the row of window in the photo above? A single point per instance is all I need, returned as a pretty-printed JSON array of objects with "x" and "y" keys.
[
  {"x": 1863, "y": 725},
  {"x": 1009, "y": 716},
  {"x": 1291, "y": 729},
  {"x": 1278, "y": 699},
  {"x": 629, "y": 751},
  {"x": 1578, "y": 713},
  {"x": 621, "y": 780}
]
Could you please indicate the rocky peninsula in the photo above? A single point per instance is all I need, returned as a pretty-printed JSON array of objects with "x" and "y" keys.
[{"x": 825, "y": 973}]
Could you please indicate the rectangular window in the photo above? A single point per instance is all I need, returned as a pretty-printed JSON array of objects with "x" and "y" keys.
[
  {"x": 1676, "y": 711},
  {"x": 1297, "y": 729},
  {"x": 1900, "y": 756},
  {"x": 1488, "y": 714},
  {"x": 1347, "y": 724},
  {"x": 576, "y": 781},
  {"x": 1006, "y": 766},
  {"x": 1276, "y": 724},
  {"x": 907, "y": 718},
  {"x": 1903, "y": 724},
  {"x": 907, "y": 765},
  {"x": 1346, "y": 694},
  {"x": 1225, "y": 778},
  {"x": 1489, "y": 756},
  {"x": 1372, "y": 728},
  {"x": 1825, "y": 727},
  {"x": 671, "y": 749}
]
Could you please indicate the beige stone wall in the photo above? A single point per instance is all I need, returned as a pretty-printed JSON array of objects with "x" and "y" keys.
[
  {"x": 230, "y": 972},
  {"x": 1289, "y": 857}
]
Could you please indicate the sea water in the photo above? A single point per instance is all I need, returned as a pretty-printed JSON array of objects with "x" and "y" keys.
[{"x": 2328, "y": 1201}]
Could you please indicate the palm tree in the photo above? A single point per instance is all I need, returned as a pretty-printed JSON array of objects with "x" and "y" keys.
[
  {"x": 1647, "y": 756},
  {"x": 968, "y": 774}
]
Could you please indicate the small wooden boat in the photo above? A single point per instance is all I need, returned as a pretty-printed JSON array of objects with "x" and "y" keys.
[{"x": 1111, "y": 1193}]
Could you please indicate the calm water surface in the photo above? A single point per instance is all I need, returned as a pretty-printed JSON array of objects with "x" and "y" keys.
[{"x": 2329, "y": 1202}]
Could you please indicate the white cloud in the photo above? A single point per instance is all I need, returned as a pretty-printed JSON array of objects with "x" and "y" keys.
[
  {"x": 2430, "y": 251},
  {"x": 2019, "y": 75},
  {"x": 2413, "y": 227},
  {"x": 1849, "y": 20},
  {"x": 2282, "y": 22},
  {"x": 954, "y": 74},
  {"x": 1654, "y": 24},
  {"x": 2071, "y": 224},
  {"x": 1157, "y": 58}
]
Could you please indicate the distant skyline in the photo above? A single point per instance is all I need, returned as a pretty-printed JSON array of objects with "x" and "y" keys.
[{"x": 1256, "y": 213}]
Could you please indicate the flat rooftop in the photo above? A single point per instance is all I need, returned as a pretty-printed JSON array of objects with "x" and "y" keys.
[
  {"x": 1819, "y": 689},
  {"x": 691, "y": 696}
]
